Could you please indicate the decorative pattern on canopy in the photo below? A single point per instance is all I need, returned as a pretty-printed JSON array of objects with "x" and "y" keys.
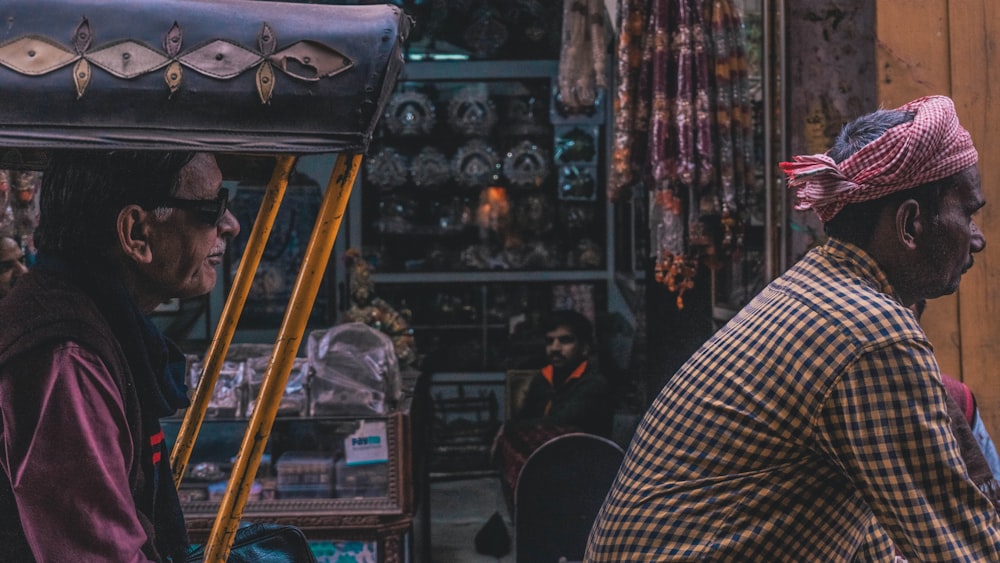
[
  {"x": 245, "y": 76},
  {"x": 35, "y": 55}
]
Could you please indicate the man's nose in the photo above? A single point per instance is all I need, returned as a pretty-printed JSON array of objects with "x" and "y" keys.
[{"x": 229, "y": 226}]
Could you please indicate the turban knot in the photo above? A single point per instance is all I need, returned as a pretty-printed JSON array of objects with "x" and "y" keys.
[{"x": 931, "y": 147}]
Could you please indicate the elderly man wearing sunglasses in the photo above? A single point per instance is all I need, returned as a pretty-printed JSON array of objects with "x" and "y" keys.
[{"x": 84, "y": 375}]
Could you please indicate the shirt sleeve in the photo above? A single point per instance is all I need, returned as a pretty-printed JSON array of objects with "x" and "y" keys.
[
  {"x": 885, "y": 422},
  {"x": 67, "y": 449}
]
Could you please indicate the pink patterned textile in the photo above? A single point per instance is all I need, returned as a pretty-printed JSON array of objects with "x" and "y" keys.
[{"x": 931, "y": 147}]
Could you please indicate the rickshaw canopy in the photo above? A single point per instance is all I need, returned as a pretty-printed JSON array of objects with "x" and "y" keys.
[
  {"x": 220, "y": 76},
  {"x": 207, "y": 75}
]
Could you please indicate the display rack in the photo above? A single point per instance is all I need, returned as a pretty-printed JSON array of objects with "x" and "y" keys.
[
  {"x": 469, "y": 268},
  {"x": 483, "y": 208}
]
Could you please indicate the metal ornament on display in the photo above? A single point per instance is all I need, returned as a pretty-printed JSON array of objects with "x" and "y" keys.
[
  {"x": 452, "y": 215},
  {"x": 471, "y": 112},
  {"x": 475, "y": 164},
  {"x": 588, "y": 254},
  {"x": 534, "y": 214},
  {"x": 396, "y": 213},
  {"x": 397, "y": 206},
  {"x": 430, "y": 168},
  {"x": 526, "y": 164},
  {"x": 486, "y": 34},
  {"x": 578, "y": 219},
  {"x": 529, "y": 15},
  {"x": 576, "y": 145},
  {"x": 521, "y": 118},
  {"x": 386, "y": 168},
  {"x": 577, "y": 183},
  {"x": 409, "y": 114}
]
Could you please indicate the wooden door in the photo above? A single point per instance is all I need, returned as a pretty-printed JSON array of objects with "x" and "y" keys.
[{"x": 950, "y": 47}]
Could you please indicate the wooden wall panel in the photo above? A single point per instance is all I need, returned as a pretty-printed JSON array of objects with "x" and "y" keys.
[
  {"x": 950, "y": 47},
  {"x": 908, "y": 69},
  {"x": 974, "y": 32},
  {"x": 912, "y": 50}
]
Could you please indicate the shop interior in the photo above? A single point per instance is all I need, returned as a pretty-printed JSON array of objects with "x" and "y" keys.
[
  {"x": 509, "y": 176},
  {"x": 533, "y": 156}
]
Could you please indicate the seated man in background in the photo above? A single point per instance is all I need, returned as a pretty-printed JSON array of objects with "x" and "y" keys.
[
  {"x": 570, "y": 390},
  {"x": 567, "y": 395}
]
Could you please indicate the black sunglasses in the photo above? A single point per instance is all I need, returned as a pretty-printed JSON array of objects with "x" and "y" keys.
[{"x": 208, "y": 211}]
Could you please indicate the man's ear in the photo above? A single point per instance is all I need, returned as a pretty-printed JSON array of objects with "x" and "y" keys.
[
  {"x": 909, "y": 223},
  {"x": 133, "y": 233}
]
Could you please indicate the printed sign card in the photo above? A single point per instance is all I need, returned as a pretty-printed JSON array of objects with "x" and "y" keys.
[{"x": 367, "y": 445}]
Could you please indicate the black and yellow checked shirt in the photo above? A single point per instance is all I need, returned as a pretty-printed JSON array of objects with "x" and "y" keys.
[{"x": 812, "y": 427}]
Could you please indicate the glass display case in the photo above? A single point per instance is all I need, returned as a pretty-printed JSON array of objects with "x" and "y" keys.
[
  {"x": 349, "y": 482},
  {"x": 320, "y": 472}
]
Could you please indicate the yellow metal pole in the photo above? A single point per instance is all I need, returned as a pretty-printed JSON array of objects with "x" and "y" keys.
[
  {"x": 293, "y": 326},
  {"x": 188, "y": 433}
]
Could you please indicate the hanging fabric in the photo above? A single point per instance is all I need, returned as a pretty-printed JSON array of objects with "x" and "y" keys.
[
  {"x": 682, "y": 128},
  {"x": 583, "y": 59},
  {"x": 631, "y": 101},
  {"x": 733, "y": 123}
]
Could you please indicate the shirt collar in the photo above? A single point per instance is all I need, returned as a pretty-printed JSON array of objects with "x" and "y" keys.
[
  {"x": 860, "y": 262},
  {"x": 548, "y": 372}
]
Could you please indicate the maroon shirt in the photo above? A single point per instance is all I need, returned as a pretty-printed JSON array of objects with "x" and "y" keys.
[{"x": 69, "y": 415}]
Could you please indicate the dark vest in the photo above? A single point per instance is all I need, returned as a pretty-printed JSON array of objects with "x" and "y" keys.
[{"x": 32, "y": 323}]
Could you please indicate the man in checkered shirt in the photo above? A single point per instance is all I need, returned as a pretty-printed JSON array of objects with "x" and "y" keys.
[{"x": 814, "y": 425}]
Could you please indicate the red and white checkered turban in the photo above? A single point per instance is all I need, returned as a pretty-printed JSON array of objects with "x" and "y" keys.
[{"x": 931, "y": 147}]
